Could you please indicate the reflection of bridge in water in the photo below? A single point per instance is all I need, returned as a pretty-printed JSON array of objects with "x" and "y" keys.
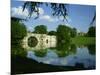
[{"x": 44, "y": 41}]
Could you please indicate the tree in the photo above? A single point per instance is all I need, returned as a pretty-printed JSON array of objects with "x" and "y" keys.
[
  {"x": 92, "y": 31},
  {"x": 73, "y": 32},
  {"x": 41, "y": 29},
  {"x": 57, "y": 9},
  {"x": 18, "y": 31},
  {"x": 63, "y": 34},
  {"x": 52, "y": 33}
]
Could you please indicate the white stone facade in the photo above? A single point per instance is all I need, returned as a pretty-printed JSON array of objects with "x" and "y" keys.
[{"x": 44, "y": 41}]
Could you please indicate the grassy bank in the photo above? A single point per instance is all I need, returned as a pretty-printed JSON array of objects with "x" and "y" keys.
[{"x": 83, "y": 40}]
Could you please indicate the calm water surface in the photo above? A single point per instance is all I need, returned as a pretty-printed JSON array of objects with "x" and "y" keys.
[{"x": 64, "y": 55}]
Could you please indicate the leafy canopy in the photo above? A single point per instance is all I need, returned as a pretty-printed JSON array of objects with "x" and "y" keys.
[{"x": 41, "y": 29}]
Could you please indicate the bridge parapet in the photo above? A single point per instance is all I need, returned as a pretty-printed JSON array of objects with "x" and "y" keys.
[{"x": 44, "y": 41}]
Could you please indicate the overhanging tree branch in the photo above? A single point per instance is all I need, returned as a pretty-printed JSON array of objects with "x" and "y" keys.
[{"x": 57, "y": 9}]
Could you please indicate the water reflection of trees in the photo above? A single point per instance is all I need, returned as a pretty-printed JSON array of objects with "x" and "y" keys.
[
  {"x": 18, "y": 51},
  {"x": 73, "y": 49},
  {"x": 65, "y": 49},
  {"x": 40, "y": 53},
  {"x": 79, "y": 65},
  {"x": 92, "y": 49},
  {"x": 61, "y": 49},
  {"x": 18, "y": 31}
]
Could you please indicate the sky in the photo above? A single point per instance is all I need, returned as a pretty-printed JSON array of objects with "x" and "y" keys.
[{"x": 79, "y": 16}]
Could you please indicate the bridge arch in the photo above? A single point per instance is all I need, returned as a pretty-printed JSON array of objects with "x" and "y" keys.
[
  {"x": 32, "y": 41},
  {"x": 44, "y": 41}
]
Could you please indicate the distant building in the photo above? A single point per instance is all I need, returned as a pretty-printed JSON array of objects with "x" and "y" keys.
[{"x": 81, "y": 34}]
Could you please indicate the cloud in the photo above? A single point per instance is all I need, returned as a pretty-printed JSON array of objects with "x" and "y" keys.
[
  {"x": 48, "y": 18},
  {"x": 53, "y": 19},
  {"x": 30, "y": 28},
  {"x": 68, "y": 25},
  {"x": 18, "y": 12},
  {"x": 41, "y": 11}
]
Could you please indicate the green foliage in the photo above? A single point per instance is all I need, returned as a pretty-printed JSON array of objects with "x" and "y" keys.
[
  {"x": 92, "y": 49},
  {"x": 41, "y": 29},
  {"x": 65, "y": 49},
  {"x": 57, "y": 9},
  {"x": 18, "y": 30},
  {"x": 52, "y": 33},
  {"x": 40, "y": 53},
  {"x": 62, "y": 49},
  {"x": 73, "y": 32},
  {"x": 72, "y": 49},
  {"x": 91, "y": 32},
  {"x": 62, "y": 53},
  {"x": 18, "y": 51},
  {"x": 63, "y": 34}
]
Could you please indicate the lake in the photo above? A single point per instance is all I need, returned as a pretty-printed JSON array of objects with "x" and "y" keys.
[
  {"x": 63, "y": 54},
  {"x": 54, "y": 57}
]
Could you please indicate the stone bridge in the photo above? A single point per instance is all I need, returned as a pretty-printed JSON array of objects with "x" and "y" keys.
[{"x": 44, "y": 41}]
